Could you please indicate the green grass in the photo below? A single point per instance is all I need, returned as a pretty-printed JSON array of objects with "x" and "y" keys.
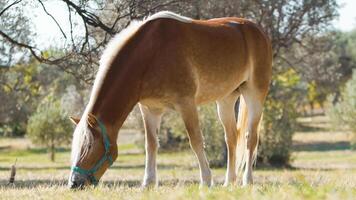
[{"x": 317, "y": 173}]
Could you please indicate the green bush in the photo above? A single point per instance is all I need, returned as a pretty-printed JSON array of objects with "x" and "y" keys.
[
  {"x": 48, "y": 126},
  {"x": 279, "y": 119},
  {"x": 173, "y": 134},
  {"x": 214, "y": 135},
  {"x": 15, "y": 129},
  {"x": 343, "y": 114},
  {"x": 277, "y": 128}
]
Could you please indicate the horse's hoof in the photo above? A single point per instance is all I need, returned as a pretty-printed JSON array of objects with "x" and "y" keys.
[
  {"x": 208, "y": 184},
  {"x": 247, "y": 183},
  {"x": 148, "y": 185}
]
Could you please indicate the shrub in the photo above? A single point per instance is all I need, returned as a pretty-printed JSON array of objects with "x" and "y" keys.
[
  {"x": 214, "y": 135},
  {"x": 343, "y": 113},
  {"x": 279, "y": 119},
  {"x": 173, "y": 134},
  {"x": 48, "y": 126},
  {"x": 277, "y": 128}
]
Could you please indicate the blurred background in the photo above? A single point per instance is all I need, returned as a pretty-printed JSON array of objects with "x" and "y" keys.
[{"x": 49, "y": 52}]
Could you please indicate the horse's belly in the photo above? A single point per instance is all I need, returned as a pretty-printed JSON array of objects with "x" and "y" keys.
[
  {"x": 214, "y": 88},
  {"x": 218, "y": 75},
  {"x": 219, "y": 65}
]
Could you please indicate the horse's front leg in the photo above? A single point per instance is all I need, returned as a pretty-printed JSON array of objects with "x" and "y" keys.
[
  {"x": 152, "y": 120},
  {"x": 188, "y": 110}
]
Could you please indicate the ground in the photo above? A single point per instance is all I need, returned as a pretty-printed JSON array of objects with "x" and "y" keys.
[{"x": 324, "y": 167}]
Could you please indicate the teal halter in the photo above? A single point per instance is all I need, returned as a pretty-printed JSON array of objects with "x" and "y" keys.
[{"x": 106, "y": 157}]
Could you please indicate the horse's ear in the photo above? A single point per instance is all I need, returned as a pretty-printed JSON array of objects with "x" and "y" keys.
[
  {"x": 74, "y": 120},
  {"x": 92, "y": 121}
]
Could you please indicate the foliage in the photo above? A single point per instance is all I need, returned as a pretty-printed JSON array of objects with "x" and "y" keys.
[
  {"x": 19, "y": 89},
  {"x": 14, "y": 23},
  {"x": 174, "y": 134},
  {"x": 214, "y": 135},
  {"x": 134, "y": 120},
  {"x": 48, "y": 126},
  {"x": 279, "y": 119},
  {"x": 343, "y": 113},
  {"x": 325, "y": 65},
  {"x": 24, "y": 84}
]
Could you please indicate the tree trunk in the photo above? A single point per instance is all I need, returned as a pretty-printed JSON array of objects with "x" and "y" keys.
[{"x": 52, "y": 152}]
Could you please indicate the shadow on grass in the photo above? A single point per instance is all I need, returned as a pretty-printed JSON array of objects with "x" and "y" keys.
[
  {"x": 30, "y": 184},
  {"x": 289, "y": 167},
  {"x": 306, "y": 128},
  {"x": 136, "y": 184},
  {"x": 115, "y": 167},
  {"x": 35, "y": 168},
  {"x": 32, "y": 150},
  {"x": 322, "y": 146}
]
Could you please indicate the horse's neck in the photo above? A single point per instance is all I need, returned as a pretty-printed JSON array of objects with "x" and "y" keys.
[
  {"x": 118, "y": 94},
  {"x": 120, "y": 86}
]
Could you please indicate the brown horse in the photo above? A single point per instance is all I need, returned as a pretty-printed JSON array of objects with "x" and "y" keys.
[{"x": 172, "y": 62}]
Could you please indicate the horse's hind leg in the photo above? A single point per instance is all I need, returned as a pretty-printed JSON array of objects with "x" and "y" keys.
[
  {"x": 253, "y": 98},
  {"x": 152, "y": 120},
  {"x": 189, "y": 113},
  {"x": 226, "y": 111}
]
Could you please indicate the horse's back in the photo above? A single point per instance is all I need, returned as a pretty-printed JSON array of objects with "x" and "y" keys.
[{"x": 204, "y": 59}]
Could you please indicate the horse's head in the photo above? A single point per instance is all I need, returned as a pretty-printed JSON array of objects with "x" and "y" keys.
[{"x": 92, "y": 152}]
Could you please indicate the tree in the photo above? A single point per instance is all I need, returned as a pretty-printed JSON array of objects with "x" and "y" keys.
[
  {"x": 342, "y": 114},
  {"x": 48, "y": 126},
  {"x": 19, "y": 88},
  {"x": 14, "y": 25}
]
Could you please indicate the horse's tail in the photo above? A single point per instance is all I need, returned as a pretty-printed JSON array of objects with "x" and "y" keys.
[{"x": 241, "y": 149}]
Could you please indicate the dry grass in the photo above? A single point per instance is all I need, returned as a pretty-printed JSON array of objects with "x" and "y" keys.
[{"x": 321, "y": 172}]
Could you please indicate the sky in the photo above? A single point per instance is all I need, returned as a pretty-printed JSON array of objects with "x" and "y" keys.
[
  {"x": 347, "y": 18},
  {"x": 48, "y": 33}
]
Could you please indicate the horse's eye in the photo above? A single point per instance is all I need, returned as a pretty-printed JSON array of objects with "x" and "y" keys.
[{"x": 89, "y": 146}]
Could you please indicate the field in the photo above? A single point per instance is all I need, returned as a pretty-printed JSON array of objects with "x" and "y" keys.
[{"x": 324, "y": 167}]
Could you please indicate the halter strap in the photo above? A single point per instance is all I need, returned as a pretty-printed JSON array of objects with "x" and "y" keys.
[{"x": 106, "y": 157}]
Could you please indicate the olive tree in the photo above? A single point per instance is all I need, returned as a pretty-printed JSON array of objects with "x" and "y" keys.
[
  {"x": 48, "y": 126},
  {"x": 343, "y": 113}
]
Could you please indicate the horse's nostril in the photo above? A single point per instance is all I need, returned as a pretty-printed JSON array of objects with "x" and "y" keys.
[
  {"x": 73, "y": 185},
  {"x": 76, "y": 185},
  {"x": 77, "y": 181}
]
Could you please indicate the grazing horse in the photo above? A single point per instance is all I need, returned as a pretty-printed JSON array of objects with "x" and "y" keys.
[{"x": 171, "y": 62}]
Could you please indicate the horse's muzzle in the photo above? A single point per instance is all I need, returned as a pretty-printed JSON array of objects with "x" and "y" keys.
[{"x": 77, "y": 181}]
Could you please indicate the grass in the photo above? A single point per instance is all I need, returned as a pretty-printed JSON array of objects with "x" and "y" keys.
[{"x": 319, "y": 173}]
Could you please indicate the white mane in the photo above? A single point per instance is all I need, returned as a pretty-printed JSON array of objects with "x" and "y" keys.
[
  {"x": 121, "y": 38},
  {"x": 107, "y": 57},
  {"x": 169, "y": 15}
]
